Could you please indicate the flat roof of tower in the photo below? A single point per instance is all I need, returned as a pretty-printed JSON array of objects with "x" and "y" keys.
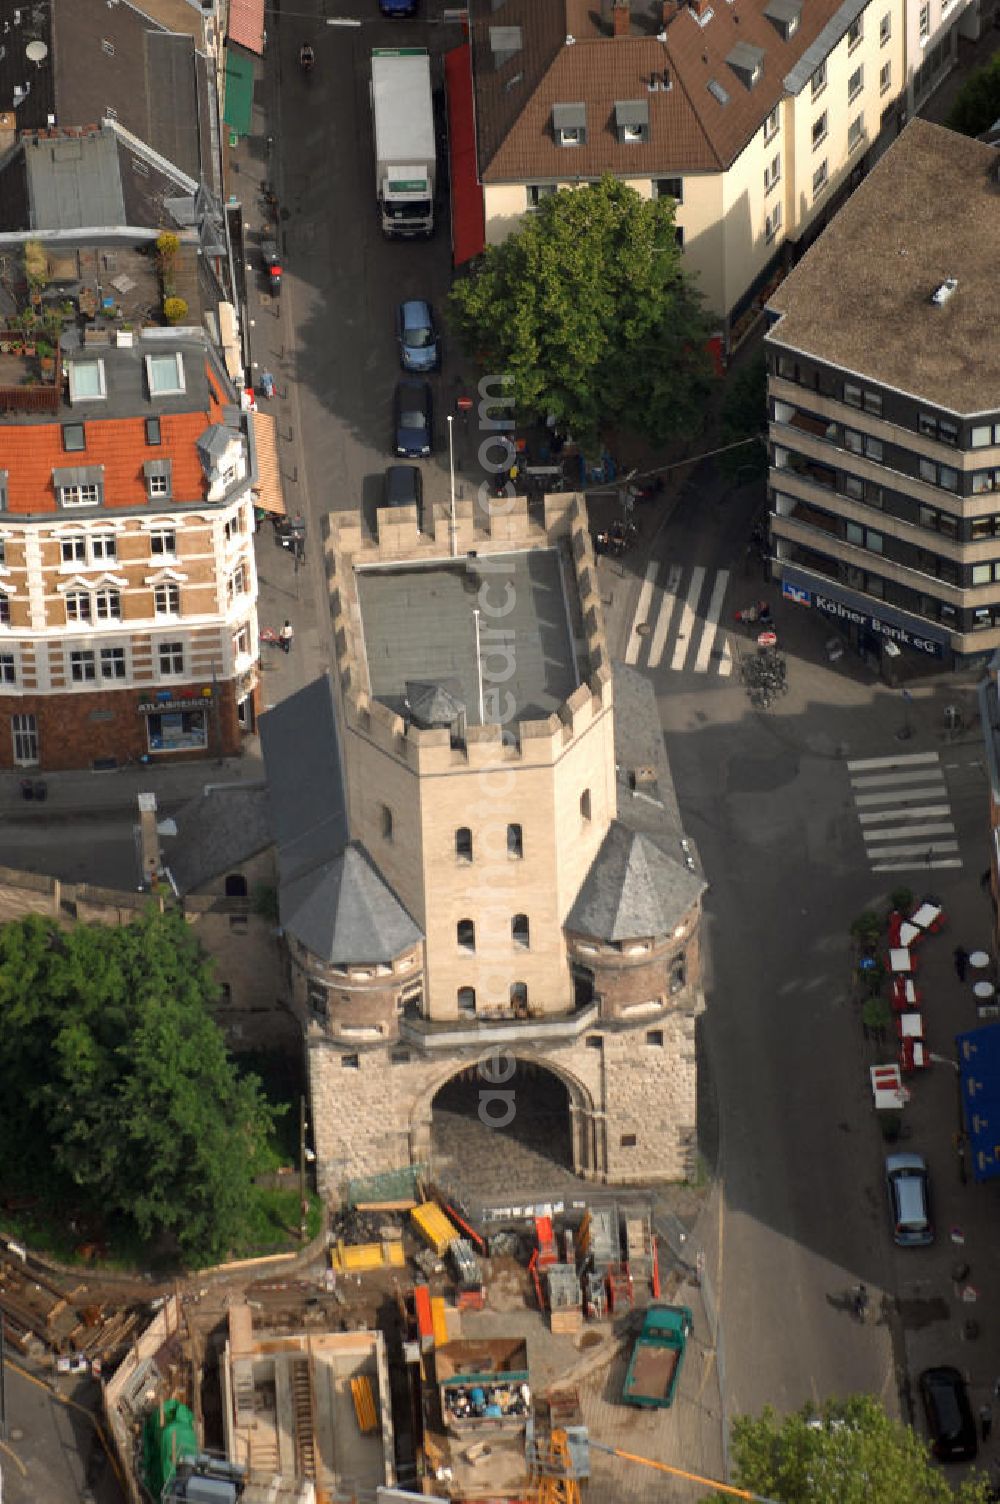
[
  {"x": 419, "y": 623},
  {"x": 862, "y": 296}
]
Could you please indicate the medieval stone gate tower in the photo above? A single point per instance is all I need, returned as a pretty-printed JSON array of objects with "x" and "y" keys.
[{"x": 481, "y": 853}]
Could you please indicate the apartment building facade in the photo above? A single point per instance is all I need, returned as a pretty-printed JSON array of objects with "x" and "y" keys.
[
  {"x": 884, "y": 406},
  {"x": 127, "y": 581},
  {"x": 754, "y": 119},
  {"x": 486, "y": 857}
]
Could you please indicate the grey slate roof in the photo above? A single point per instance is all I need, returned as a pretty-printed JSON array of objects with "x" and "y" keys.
[
  {"x": 634, "y": 890},
  {"x": 216, "y": 832},
  {"x": 305, "y": 776},
  {"x": 75, "y": 183},
  {"x": 345, "y": 914},
  {"x": 432, "y": 704},
  {"x": 330, "y": 895},
  {"x": 640, "y": 883}
]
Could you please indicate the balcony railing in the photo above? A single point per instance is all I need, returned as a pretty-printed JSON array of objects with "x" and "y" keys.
[{"x": 451, "y": 1033}]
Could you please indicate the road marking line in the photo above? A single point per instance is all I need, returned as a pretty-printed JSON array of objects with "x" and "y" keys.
[
  {"x": 891, "y": 762},
  {"x": 899, "y": 776},
  {"x": 726, "y": 661},
  {"x": 936, "y": 848},
  {"x": 641, "y": 611},
  {"x": 688, "y": 618},
  {"x": 933, "y": 792},
  {"x": 876, "y": 837},
  {"x": 908, "y": 866},
  {"x": 711, "y": 622},
  {"x": 921, "y": 812},
  {"x": 667, "y": 605}
]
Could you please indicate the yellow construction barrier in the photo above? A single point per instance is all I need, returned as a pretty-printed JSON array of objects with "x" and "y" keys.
[
  {"x": 358, "y": 1258},
  {"x": 439, "y": 1320},
  {"x": 364, "y": 1404},
  {"x": 434, "y": 1227}
]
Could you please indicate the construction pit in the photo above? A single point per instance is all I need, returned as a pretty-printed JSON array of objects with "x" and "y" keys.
[{"x": 420, "y": 1352}]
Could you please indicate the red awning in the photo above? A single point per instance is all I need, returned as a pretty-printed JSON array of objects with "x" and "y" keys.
[{"x": 468, "y": 224}]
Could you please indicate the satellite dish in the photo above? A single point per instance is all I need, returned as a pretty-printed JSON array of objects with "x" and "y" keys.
[{"x": 37, "y": 52}]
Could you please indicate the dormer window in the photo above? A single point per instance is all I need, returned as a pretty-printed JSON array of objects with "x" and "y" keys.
[
  {"x": 157, "y": 476},
  {"x": 569, "y": 124},
  {"x": 165, "y": 374},
  {"x": 747, "y": 63},
  {"x": 505, "y": 43},
  {"x": 632, "y": 120},
  {"x": 86, "y": 381},
  {"x": 784, "y": 16}
]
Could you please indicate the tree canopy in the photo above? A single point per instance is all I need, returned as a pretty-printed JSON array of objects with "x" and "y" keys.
[
  {"x": 587, "y": 312},
  {"x": 977, "y": 103},
  {"x": 119, "y": 1100},
  {"x": 850, "y": 1452}
]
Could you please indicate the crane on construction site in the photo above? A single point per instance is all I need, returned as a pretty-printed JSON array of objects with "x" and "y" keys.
[{"x": 556, "y": 1480}]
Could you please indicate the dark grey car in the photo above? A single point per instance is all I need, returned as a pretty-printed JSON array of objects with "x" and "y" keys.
[{"x": 413, "y": 426}]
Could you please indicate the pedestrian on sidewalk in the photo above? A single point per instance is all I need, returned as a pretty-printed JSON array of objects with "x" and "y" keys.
[
  {"x": 287, "y": 636},
  {"x": 961, "y": 961},
  {"x": 985, "y": 1421}
]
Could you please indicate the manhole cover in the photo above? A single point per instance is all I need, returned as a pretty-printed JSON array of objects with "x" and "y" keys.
[{"x": 643, "y": 629}]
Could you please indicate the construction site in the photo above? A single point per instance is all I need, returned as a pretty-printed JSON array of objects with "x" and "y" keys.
[{"x": 423, "y": 1349}]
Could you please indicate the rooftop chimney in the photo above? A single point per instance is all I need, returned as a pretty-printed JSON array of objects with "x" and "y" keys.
[{"x": 622, "y": 17}]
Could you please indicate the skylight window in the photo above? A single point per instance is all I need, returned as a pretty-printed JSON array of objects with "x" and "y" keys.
[
  {"x": 86, "y": 381},
  {"x": 165, "y": 374}
]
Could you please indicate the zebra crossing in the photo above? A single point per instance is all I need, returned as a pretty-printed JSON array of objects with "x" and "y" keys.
[
  {"x": 904, "y": 814},
  {"x": 667, "y": 600}
]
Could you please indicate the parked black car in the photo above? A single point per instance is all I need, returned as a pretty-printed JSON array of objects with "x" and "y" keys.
[
  {"x": 414, "y": 419},
  {"x": 404, "y": 487},
  {"x": 949, "y": 1414}
]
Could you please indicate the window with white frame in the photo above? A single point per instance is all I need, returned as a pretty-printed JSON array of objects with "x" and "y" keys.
[
  {"x": 772, "y": 173},
  {"x": 669, "y": 188},
  {"x": 82, "y": 666},
  {"x": 855, "y": 133},
  {"x": 241, "y": 642},
  {"x": 158, "y": 485},
  {"x": 171, "y": 658},
  {"x": 167, "y": 600},
  {"x": 113, "y": 663},
  {"x": 885, "y": 29},
  {"x": 820, "y": 178},
  {"x": 24, "y": 730},
  {"x": 107, "y": 604},
  {"x": 8, "y": 668},
  {"x": 237, "y": 584},
  {"x": 78, "y": 607},
  {"x": 73, "y": 549},
  {"x": 103, "y": 546},
  {"x": 165, "y": 374},
  {"x": 818, "y": 81},
  {"x": 820, "y": 130},
  {"x": 885, "y": 78},
  {"x": 163, "y": 541},
  {"x": 855, "y": 32},
  {"x": 4, "y": 609},
  {"x": 79, "y": 496},
  {"x": 855, "y": 84},
  {"x": 772, "y": 223},
  {"x": 925, "y": 22},
  {"x": 772, "y": 123},
  {"x": 86, "y": 381},
  {"x": 235, "y": 527},
  {"x": 537, "y": 191}
]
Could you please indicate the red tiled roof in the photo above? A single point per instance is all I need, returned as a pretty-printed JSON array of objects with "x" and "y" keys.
[
  {"x": 246, "y": 24},
  {"x": 690, "y": 130},
  {"x": 29, "y": 452}
]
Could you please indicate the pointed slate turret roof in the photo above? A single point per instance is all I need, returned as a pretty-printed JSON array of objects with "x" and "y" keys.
[
  {"x": 433, "y": 704},
  {"x": 345, "y": 914},
  {"x": 633, "y": 890}
]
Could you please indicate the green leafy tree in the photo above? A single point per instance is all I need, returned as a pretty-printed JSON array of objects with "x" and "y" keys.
[
  {"x": 118, "y": 1094},
  {"x": 744, "y": 416},
  {"x": 977, "y": 103},
  {"x": 851, "y": 1452},
  {"x": 587, "y": 313}
]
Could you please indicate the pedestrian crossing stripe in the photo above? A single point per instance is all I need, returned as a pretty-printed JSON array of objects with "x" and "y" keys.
[
  {"x": 669, "y": 618},
  {"x": 903, "y": 812}
]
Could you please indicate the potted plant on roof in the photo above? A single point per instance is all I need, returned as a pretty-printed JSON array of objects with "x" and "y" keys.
[{"x": 46, "y": 357}]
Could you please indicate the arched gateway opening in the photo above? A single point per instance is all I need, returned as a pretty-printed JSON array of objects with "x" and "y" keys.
[{"x": 490, "y": 1132}]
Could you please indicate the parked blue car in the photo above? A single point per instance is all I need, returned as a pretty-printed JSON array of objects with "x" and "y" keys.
[
  {"x": 397, "y": 8},
  {"x": 419, "y": 346},
  {"x": 414, "y": 420}
]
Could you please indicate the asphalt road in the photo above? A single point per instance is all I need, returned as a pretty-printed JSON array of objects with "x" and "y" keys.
[{"x": 768, "y": 798}]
